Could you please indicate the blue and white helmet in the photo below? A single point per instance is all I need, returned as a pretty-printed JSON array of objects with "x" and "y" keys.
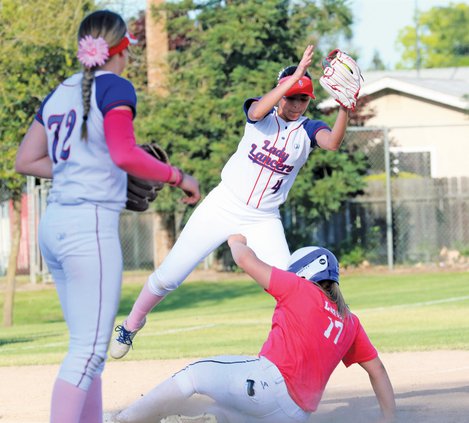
[{"x": 315, "y": 264}]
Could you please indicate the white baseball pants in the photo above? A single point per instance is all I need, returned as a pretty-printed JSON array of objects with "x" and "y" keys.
[
  {"x": 81, "y": 246},
  {"x": 218, "y": 216},
  {"x": 253, "y": 388}
]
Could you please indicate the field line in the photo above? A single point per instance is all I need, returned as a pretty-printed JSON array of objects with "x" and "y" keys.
[{"x": 420, "y": 304}]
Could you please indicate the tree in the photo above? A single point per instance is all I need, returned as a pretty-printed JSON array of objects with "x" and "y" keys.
[
  {"x": 224, "y": 52},
  {"x": 376, "y": 62},
  {"x": 439, "y": 38},
  {"x": 33, "y": 60}
]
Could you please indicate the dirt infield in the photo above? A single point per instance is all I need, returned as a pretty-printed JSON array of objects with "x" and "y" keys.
[{"x": 431, "y": 387}]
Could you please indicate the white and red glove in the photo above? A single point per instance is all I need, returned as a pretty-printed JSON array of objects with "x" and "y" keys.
[{"x": 342, "y": 78}]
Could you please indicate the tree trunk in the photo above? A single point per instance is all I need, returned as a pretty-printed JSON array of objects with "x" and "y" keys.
[
  {"x": 157, "y": 69},
  {"x": 157, "y": 49},
  {"x": 12, "y": 262}
]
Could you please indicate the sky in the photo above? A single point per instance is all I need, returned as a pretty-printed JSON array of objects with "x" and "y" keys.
[
  {"x": 378, "y": 23},
  {"x": 376, "y": 27}
]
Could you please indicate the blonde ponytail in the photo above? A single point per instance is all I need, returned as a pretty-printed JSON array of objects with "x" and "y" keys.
[
  {"x": 111, "y": 27},
  {"x": 86, "y": 84}
]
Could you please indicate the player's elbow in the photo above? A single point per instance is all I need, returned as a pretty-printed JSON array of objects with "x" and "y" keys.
[
  {"x": 255, "y": 117},
  {"x": 21, "y": 165},
  {"x": 334, "y": 147},
  {"x": 331, "y": 145}
]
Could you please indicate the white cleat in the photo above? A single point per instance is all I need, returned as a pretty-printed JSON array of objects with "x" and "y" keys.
[{"x": 120, "y": 345}]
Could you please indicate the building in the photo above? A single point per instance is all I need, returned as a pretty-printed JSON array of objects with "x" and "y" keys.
[{"x": 427, "y": 113}]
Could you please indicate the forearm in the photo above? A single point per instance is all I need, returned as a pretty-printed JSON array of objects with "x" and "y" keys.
[
  {"x": 266, "y": 103},
  {"x": 41, "y": 168},
  {"x": 126, "y": 154},
  {"x": 245, "y": 258},
  {"x": 385, "y": 395},
  {"x": 333, "y": 139},
  {"x": 241, "y": 253},
  {"x": 32, "y": 157}
]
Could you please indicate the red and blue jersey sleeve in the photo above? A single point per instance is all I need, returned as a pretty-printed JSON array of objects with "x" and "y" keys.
[
  {"x": 362, "y": 349},
  {"x": 113, "y": 91},
  {"x": 247, "y": 105},
  {"x": 40, "y": 112},
  {"x": 312, "y": 127}
]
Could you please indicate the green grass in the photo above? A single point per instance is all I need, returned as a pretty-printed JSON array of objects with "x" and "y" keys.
[{"x": 401, "y": 312}]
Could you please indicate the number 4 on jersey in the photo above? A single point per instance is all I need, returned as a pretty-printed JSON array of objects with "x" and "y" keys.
[{"x": 277, "y": 186}]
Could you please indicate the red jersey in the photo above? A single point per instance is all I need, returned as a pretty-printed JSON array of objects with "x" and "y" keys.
[{"x": 309, "y": 338}]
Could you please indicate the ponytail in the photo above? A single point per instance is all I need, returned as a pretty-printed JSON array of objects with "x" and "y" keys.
[
  {"x": 333, "y": 292},
  {"x": 86, "y": 84}
]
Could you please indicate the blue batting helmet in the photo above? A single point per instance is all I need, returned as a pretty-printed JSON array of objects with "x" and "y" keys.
[{"x": 315, "y": 264}]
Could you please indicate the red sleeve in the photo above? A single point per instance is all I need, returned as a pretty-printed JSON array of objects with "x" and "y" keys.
[
  {"x": 362, "y": 349},
  {"x": 125, "y": 153},
  {"x": 281, "y": 283}
]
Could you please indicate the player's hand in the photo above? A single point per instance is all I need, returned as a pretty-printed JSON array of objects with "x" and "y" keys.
[
  {"x": 233, "y": 239},
  {"x": 305, "y": 62},
  {"x": 190, "y": 186}
]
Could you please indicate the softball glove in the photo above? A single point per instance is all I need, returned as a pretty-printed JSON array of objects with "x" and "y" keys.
[
  {"x": 141, "y": 192},
  {"x": 342, "y": 78}
]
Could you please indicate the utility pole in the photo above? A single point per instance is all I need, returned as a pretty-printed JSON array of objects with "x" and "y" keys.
[
  {"x": 157, "y": 71},
  {"x": 157, "y": 48},
  {"x": 418, "y": 61}
]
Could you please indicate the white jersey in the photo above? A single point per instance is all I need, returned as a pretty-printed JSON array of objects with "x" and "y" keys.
[
  {"x": 83, "y": 170},
  {"x": 269, "y": 156}
]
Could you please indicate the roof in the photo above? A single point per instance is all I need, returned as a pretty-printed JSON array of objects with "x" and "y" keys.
[{"x": 448, "y": 86}]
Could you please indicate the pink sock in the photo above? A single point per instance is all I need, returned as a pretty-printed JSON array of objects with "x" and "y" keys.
[
  {"x": 142, "y": 306},
  {"x": 93, "y": 407},
  {"x": 67, "y": 402}
]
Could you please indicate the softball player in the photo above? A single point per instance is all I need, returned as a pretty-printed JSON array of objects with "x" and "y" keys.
[
  {"x": 254, "y": 183},
  {"x": 312, "y": 331},
  {"x": 82, "y": 137}
]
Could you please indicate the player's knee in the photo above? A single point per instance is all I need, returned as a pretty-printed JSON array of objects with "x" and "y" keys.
[
  {"x": 80, "y": 367},
  {"x": 184, "y": 382},
  {"x": 161, "y": 286}
]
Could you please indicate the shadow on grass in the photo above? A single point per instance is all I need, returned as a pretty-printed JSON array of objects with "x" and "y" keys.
[
  {"x": 194, "y": 295},
  {"x": 9, "y": 341}
]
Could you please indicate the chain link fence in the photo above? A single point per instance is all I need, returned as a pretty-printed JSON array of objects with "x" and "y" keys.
[{"x": 409, "y": 213}]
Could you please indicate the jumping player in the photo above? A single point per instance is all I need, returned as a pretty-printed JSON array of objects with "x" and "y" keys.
[
  {"x": 82, "y": 137},
  {"x": 312, "y": 331},
  {"x": 254, "y": 183}
]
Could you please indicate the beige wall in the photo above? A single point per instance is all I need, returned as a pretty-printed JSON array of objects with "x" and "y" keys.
[{"x": 430, "y": 127}]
